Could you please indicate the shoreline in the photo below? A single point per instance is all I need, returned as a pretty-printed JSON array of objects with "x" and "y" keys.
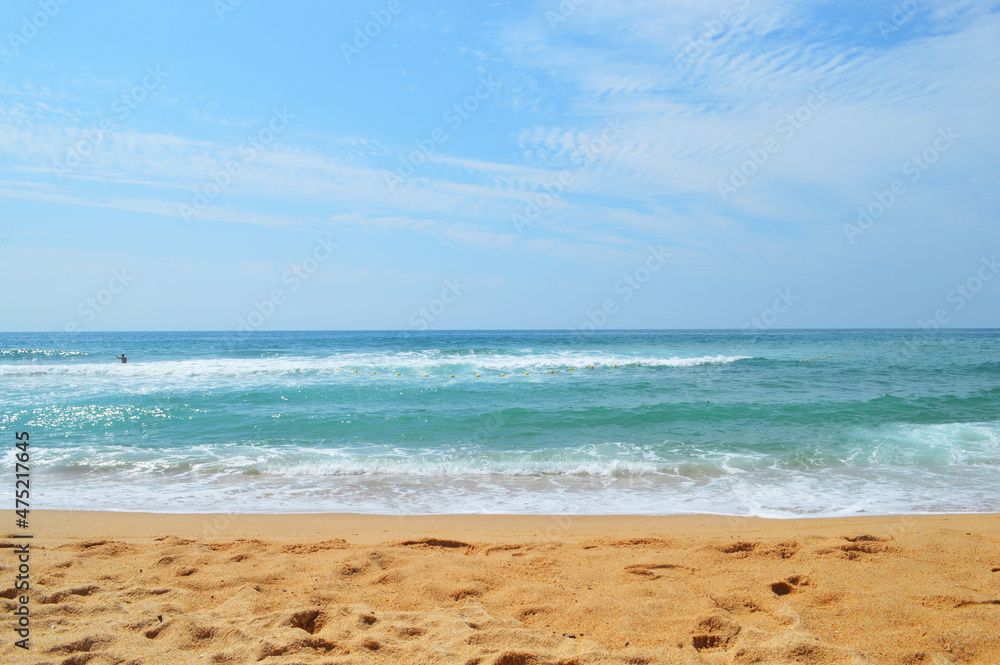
[
  {"x": 332, "y": 589},
  {"x": 66, "y": 524}
]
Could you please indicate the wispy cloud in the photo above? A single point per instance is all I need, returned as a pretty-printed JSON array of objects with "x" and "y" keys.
[{"x": 684, "y": 128}]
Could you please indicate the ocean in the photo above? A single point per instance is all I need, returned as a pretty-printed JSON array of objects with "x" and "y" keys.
[{"x": 773, "y": 424}]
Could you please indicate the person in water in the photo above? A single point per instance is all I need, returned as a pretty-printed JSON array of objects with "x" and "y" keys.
[{"x": 122, "y": 358}]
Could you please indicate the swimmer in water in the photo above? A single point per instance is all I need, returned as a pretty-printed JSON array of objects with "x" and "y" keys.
[{"x": 122, "y": 358}]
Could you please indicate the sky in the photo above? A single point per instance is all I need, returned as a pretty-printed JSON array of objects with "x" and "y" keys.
[{"x": 573, "y": 164}]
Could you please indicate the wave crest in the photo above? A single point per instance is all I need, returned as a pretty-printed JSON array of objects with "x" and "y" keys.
[{"x": 44, "y": 353}]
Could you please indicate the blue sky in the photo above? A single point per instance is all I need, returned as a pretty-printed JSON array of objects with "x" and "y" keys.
[{"x": 188, "y": 165}]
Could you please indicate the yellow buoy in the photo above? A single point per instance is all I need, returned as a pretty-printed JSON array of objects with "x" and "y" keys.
[
  {"x": 552, "y": 371},
  {"x": 503, "y": 375},
  {"x": 453, "y": 376},
  {"x": 526, "y": 374},
  {"x": 477, "y": 375},
  {"x": 398, "y": 374},
  {"x": 425, "y": 375},
  {"x": 374, "y": 372},
  {"x": 355, "y": 371},
  {"x": 571, "y": 369},
  {"x": 591, "y": 367}
]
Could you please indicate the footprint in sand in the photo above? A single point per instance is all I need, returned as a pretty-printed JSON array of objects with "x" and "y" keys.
[
  {"x": 715, "y": 631},
  {"x": 307, "y": 620},
  {"x": 437, "y": 542},
  {"x": 66, "y": 594},
  {"x": 652, "y": 570},
  {"x": 864, "y": 545},
  {"x": 742, "y": 549},
  {"x": 786, "y": 586}
]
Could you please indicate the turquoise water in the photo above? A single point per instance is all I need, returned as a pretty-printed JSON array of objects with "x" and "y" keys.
[{"x": 644, "y": 422}]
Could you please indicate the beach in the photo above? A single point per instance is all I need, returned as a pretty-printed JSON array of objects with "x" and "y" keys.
[
  {"x": 504, "y": 498},
  {"x": 115, "y": 588},
  {"x": 499, "y": 333}
]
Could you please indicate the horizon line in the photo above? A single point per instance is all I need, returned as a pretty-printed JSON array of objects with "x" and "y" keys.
[{"x": 481, "y": 330}]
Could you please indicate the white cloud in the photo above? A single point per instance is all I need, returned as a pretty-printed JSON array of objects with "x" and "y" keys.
[{"x": 683, "y": 128}]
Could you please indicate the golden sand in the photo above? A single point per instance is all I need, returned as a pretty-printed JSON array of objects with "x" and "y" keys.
[{"x": 112, "y": 588}]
